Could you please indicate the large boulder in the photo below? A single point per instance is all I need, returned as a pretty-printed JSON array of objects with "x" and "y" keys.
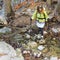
[{"x": 6, "y": 51}]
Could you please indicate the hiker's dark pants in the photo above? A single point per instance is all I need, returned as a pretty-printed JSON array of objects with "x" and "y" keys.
[{"x": 41, "y": 31}]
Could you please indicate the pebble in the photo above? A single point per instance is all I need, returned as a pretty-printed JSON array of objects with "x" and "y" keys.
[{"x": 41, "y": 47}]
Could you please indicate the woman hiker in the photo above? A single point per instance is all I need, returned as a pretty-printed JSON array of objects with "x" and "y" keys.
[{"x": 40, "y": 16}]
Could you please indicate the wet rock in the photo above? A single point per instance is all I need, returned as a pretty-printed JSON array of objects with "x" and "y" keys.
[
  {"x": 32, "y": 44},
  {"x": 5, "y": 30}
]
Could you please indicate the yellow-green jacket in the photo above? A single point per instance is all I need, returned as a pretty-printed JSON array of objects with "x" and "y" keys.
[{"x": 41, "y": 17}]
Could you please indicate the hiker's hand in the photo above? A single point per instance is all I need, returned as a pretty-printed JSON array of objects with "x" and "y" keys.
[{"x": 46, "y": 23}]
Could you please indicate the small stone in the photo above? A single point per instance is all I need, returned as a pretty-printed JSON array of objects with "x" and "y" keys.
[
  {"x": 23, "y": 30},
  {"x": 18, "y": 51},
  {"x": 54, "y": 38},
  {"x": 38, "y": 36},
  {"x": 34, "y": 54},
  {"x": 53, "y": 58},
  {"x": 27, "y": 36},
  {"x": 44, "y": 32},
  {"x": 28, "y": 10},
  {"x": 41, "y": 47},
  {"x": 37, "y": 54},
  {"x": 45, "y": 50},
  {"x": 17, "y": 58},
  {"x": 46, "y": 58},
  {"x": 3, "y": 19},
  {"x": 42, "y": 41},
  {"x": 32, "y": 44},
  {"x": 54, "y": 30}
]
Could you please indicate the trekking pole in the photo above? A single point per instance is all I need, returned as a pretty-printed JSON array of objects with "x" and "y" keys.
[
  {"x": 30, "y": 23},
  {"x": 47, "y": 24}
]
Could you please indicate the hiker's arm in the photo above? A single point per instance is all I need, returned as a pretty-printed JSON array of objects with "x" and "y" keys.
[
  {"x": 34, "y": 15},
  {"x": 46, "y": 16}
]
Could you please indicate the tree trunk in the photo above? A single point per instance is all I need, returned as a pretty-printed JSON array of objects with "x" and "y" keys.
[
  {"x": 58, "y": 1},
  {"x": 8, "y": 8},
  {"x": 9, "y": 14}
]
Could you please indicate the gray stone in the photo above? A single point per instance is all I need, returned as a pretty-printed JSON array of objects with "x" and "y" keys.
[
  {"x": 42, "y": 41},
  {"x": 53, "y": 58},
  {"x": 38, "y": 36},
  {"x": 5, "y": 30},
  {"x": 7, "y": 49},
  {"x": 27, "y": 36},
  {"x": 54, "y": 30},
  {"x": 41, "y": 47},
  {"x": 7, "y": 52},
  {"x": 17, "y": 58},
  {"x": 32, "y": 44},
  {"x": 46, "y": 58}
]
